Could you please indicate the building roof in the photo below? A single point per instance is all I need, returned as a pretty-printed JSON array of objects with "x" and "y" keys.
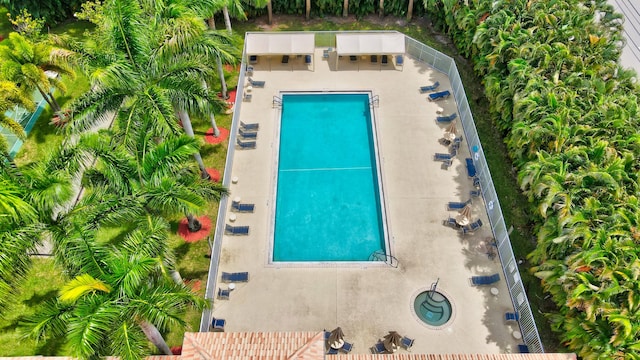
[{"x": 308, "y": 346}]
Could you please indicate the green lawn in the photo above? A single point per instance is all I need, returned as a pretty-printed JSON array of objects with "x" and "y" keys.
[{"x": 42, "y": 283}]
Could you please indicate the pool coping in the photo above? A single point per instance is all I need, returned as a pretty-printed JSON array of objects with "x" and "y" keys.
[{"x": 380, "y": 182}]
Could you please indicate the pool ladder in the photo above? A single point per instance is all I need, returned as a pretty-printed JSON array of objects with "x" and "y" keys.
[
  {"x": 381, "y": 255},
  {"x": 277, "y": 102}
]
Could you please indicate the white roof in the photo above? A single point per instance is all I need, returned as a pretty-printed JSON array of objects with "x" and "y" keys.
[
  {"x": 281, "y": 43},
  {"x": 367, "y": 44}
]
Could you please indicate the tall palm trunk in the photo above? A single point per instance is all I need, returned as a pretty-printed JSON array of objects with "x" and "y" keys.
[
  {"x": 269, "y": 12},
  {"x": 308, "y": 8},
  {"x": 227, "y": 18},
  {"x": 410, "y": 10},
  {"x": 193, "y": 223},
  {"x": 155, "y": 337},
  {"x": 381, "y": 8},
  {"x": 211, "y": 22},
  {"x": 50, "y": 100},
  {"x": 223, "y": 82},
  {"x": 212, "y": 118},
  {"x": 175, "y": 276},
  {"x": 345, "y": 8},
  {"x": 188, "y": 128}
]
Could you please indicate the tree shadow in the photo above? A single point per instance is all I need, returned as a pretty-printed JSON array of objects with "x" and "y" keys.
[
  {"x": 206, "y": 151},
  {"x": 50, "y": 347},
  {"x": 38, "y": 299},
  {"x": 181, "y": 251}
]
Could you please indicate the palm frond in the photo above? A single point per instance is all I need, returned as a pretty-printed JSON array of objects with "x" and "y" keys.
[{"x": 80, "y": 286}]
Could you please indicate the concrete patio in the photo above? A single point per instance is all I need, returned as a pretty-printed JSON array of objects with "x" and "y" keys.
[{"x": 369, "y": 299}]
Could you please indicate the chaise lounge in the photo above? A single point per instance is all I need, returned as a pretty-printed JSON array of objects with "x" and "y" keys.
[
  {"x": 247, "y": 134},
  {"x": 250, "y": 126},
  {"x": 246, "y": 144},
  {"x": 428, "y": 88},
  {"x": 454, "y": 205},
  {"x": 439, "y": 95},
  {"x": 257, "y": 83},
  {"x": 485, "y": 279},
  {"x": 471, "y": 169},
  {"x": 236, "y": 230},
  {"x": 446, "y": 119},
  {"x": 238, "y": 207},
  {"x": 235, "y": 277},
  {"x": 443, "y": 157}
]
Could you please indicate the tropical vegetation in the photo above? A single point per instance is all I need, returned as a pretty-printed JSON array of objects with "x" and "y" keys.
[
  {"x": 150, "y": 71},
  {"x": 567, "y": 111},
  {"x": 569, "y": 115}
]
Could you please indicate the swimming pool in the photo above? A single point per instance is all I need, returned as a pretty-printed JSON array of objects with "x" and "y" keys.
[{"x": 328, "y": 198}]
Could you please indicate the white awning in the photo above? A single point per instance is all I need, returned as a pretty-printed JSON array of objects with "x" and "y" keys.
[
  {"x": 370, "y": 44},
  {"x": 280, "y": 44}
]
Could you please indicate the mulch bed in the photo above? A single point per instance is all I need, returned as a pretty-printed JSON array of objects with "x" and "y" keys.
[
  {"x": 210, "y": 139},
  {"x": 190, "y": 237}
]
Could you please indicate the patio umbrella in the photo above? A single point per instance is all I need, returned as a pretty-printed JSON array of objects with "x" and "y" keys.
[
  {"x": 336, "y": 336},
  {"x": 392, "y": 341},
  {"x": 452, "y": 128},
  {"x": 451, "y": 131},
  {"x": 464, "y": 215}
]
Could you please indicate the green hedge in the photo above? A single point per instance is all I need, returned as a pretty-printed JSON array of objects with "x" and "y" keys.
[{"x": 569, "y": 116}]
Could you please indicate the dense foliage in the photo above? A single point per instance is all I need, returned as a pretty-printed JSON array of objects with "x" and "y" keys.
[
  {"x": 52, "y": 11},
  {"x": 358, "y": 8},
  {"x": 569, "y": 116}
]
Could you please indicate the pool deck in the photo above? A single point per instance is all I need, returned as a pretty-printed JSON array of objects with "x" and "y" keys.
[{"x": 368, "y": 300}]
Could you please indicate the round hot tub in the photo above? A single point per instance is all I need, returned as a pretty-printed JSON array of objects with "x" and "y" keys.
[{"x": 432, "y": 308}]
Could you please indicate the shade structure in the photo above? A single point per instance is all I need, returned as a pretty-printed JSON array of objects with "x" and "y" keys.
[
  {"x": 336, "y": 335},
  {"x": 370, "y": 44},
  {"x": 380, "y": 43},
  {"x": 281, "y": 43},
  {"x": 392, "y": 341}
]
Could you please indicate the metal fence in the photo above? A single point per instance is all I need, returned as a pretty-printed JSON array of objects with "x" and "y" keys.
[
  {"x": 216, "y": 241},
  {"x": 447, "y": 65},
  {"x": 517, "y": 292}
]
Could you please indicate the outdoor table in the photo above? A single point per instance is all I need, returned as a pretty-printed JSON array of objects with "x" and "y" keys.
[{"x": 517, "y": 335}]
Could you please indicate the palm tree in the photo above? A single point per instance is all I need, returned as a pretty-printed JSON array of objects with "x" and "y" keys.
[
  {"x": 153, "y": 180},
  {"x": 345, "y": 9},
  {"x": 116, "y": 308},
  {"x": 135, "y": 74},
  {"x": 307, "y": 7},
  {"x": 26, "y": 63},
  {"x": 10, "y": 98},
  {"x": 30, "y": 199}
]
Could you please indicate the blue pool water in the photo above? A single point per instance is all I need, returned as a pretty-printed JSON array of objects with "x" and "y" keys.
[{"x": 327, "y": 202}]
